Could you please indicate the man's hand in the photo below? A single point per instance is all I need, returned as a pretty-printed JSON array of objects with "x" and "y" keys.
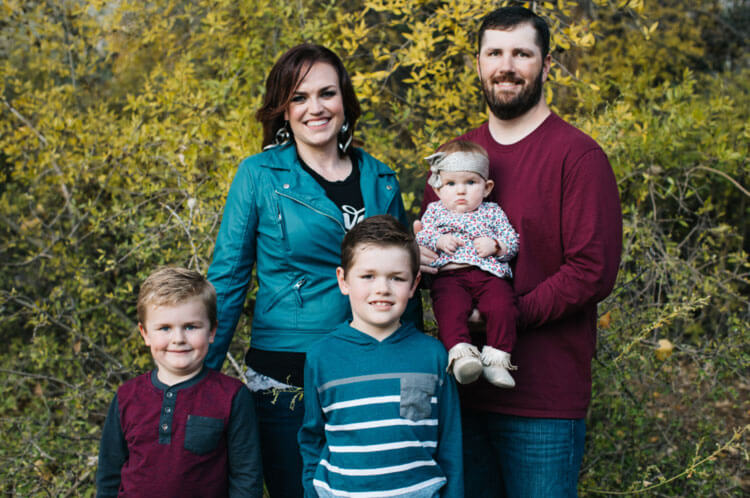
[
  {"x": 426, "y": 256},
  {"x": 486, "y": 246}
]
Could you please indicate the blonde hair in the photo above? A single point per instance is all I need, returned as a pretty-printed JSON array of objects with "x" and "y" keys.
[{"x": 170, "y": 286}]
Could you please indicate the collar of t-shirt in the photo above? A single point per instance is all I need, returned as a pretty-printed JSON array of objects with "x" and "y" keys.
[{"x": 346, "y": 194}]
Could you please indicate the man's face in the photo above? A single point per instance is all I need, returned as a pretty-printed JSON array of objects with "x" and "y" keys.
[{"x": 512, "y": 70}]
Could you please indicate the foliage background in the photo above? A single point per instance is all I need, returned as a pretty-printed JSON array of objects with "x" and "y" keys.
[{"x": 122, "y": 123}]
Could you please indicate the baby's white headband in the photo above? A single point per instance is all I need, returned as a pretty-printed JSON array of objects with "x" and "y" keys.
[{"x": 456, "y": 161}]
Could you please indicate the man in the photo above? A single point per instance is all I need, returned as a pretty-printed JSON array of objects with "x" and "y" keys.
[{"x": 559, "y": 192}]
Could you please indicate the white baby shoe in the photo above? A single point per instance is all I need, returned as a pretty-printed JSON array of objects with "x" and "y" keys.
[
  {"x": 464, "y": 363},
  {"x": 496, "y": 365}
]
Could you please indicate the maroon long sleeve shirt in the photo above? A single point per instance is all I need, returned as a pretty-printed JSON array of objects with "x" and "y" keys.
[{"x": 559, "y": 192}]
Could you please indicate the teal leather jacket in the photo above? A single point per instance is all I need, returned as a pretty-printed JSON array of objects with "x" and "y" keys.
[{"x": 278, "y": 217}]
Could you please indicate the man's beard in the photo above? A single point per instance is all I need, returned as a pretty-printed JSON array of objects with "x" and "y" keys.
[{"x": 519, "y": 104}]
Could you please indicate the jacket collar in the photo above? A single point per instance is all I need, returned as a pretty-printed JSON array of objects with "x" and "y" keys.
[{"x": 377, "y": 181}]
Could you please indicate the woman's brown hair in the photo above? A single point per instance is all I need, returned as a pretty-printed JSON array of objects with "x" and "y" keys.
[{"x": 287, "y": 74}]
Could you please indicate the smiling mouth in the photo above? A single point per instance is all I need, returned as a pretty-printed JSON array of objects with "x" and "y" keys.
[
  {"x": 317, "y": 122},
  {"x": 381, "y": 304},
  {"x": 507, "y": 85}
]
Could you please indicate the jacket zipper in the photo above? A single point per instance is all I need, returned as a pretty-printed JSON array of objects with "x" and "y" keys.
[
  {"x": 283, "y": 292},
  {"x": 311, "y": 208},
  {"x": 297, "y": 287}
]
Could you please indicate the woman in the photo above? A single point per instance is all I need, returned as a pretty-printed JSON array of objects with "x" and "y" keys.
[{"x": 287, "y": 211}]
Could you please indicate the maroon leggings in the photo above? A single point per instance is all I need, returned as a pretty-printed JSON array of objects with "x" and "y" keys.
[{"x": 455, "y": 293}]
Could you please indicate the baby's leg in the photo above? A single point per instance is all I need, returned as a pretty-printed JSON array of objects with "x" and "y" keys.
[
  {"x": 496, "y": 300},
  {"x": 452, "y": 304}
]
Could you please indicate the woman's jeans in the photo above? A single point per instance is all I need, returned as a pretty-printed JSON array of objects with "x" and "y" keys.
[
  {"x": 521, "y": 457},
  {"x": 280, "y": 416}
]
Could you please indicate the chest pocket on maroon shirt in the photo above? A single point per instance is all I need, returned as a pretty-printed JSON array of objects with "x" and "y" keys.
[{"x": 202, "y": 434}]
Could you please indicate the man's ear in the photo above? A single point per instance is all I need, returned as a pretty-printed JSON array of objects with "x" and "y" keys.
[
  {"x": 546, "y": 64},
  {"x": 341, "y": 279}
]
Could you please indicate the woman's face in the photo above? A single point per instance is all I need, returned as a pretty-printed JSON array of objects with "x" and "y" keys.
[{"x": 316, "y": 111}]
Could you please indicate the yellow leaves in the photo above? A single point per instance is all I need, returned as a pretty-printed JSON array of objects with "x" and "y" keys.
[
  {"x": 664, "y": 349},
  {"x": 636, "y": 5},
  {"x": 352, "y": 37},
  {"x": 367, "y": 84},
  {"x": 215, "y": 21},
  {"x": 649, "y": 30},
  {"x": 605, "y": 320}
]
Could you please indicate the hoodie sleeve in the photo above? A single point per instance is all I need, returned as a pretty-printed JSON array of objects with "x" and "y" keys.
[
  {"x": 311, "y": 435},
  {"x": 449, "y": 454}
]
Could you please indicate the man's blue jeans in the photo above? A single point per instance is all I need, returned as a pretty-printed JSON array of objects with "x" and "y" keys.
[
  {"x": 280, "y": 416},
  {"x": 521, "y": 457}
]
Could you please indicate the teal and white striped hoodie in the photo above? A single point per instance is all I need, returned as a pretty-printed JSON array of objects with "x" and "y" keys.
[{"x": 381, "y": 418}]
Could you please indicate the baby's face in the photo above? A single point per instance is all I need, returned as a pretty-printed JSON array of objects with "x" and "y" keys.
[{"x": 463, "y": 191}]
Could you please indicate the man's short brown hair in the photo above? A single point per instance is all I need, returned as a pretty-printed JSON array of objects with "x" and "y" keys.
[
  {"x": 382, "y": 230},
  {"x": 171, "y": 286}
]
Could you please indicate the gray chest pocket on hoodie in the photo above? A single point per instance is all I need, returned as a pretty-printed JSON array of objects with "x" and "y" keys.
[
  {"x": 202, "y": 434},
  {"x": 417, "y": 391}
]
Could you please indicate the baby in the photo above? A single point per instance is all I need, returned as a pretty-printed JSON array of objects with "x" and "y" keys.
[{"x": 474, "y": 241}]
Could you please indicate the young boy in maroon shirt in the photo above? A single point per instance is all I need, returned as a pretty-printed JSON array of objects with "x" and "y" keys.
[{"x": 182, "y": 429}]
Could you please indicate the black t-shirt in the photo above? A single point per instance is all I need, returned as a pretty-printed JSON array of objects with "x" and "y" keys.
[
  {"x": 288, "y": 367},
  {"x": 346, "y": 193}
]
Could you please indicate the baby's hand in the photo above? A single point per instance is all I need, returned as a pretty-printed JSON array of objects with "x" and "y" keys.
[
  {"x": 486, "y": 246},
  {"x": 448, "y": 243}
]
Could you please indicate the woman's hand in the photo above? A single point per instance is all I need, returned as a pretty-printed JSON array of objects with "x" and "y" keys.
[{"x": 426, "y": 256}]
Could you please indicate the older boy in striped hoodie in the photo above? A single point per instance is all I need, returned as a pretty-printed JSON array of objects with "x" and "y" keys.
[{"x": 381, "y": 414}]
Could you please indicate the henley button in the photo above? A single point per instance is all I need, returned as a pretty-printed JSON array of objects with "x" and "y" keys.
[
  {"x": 169, "y": 395},
  {"x": 168, "y": 409},
  {"x": 164, "y": 427},
  {"x": 286, "y": 185},
  {"x": 388, "y": 187}
]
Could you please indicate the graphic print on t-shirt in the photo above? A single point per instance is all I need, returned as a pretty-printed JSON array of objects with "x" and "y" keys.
[{"x": 352, "y": 216}]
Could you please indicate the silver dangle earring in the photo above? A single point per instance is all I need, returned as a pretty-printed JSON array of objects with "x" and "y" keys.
[
  {"x": 345, "y": 138},
  {"x": 283, "y": 135}
]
